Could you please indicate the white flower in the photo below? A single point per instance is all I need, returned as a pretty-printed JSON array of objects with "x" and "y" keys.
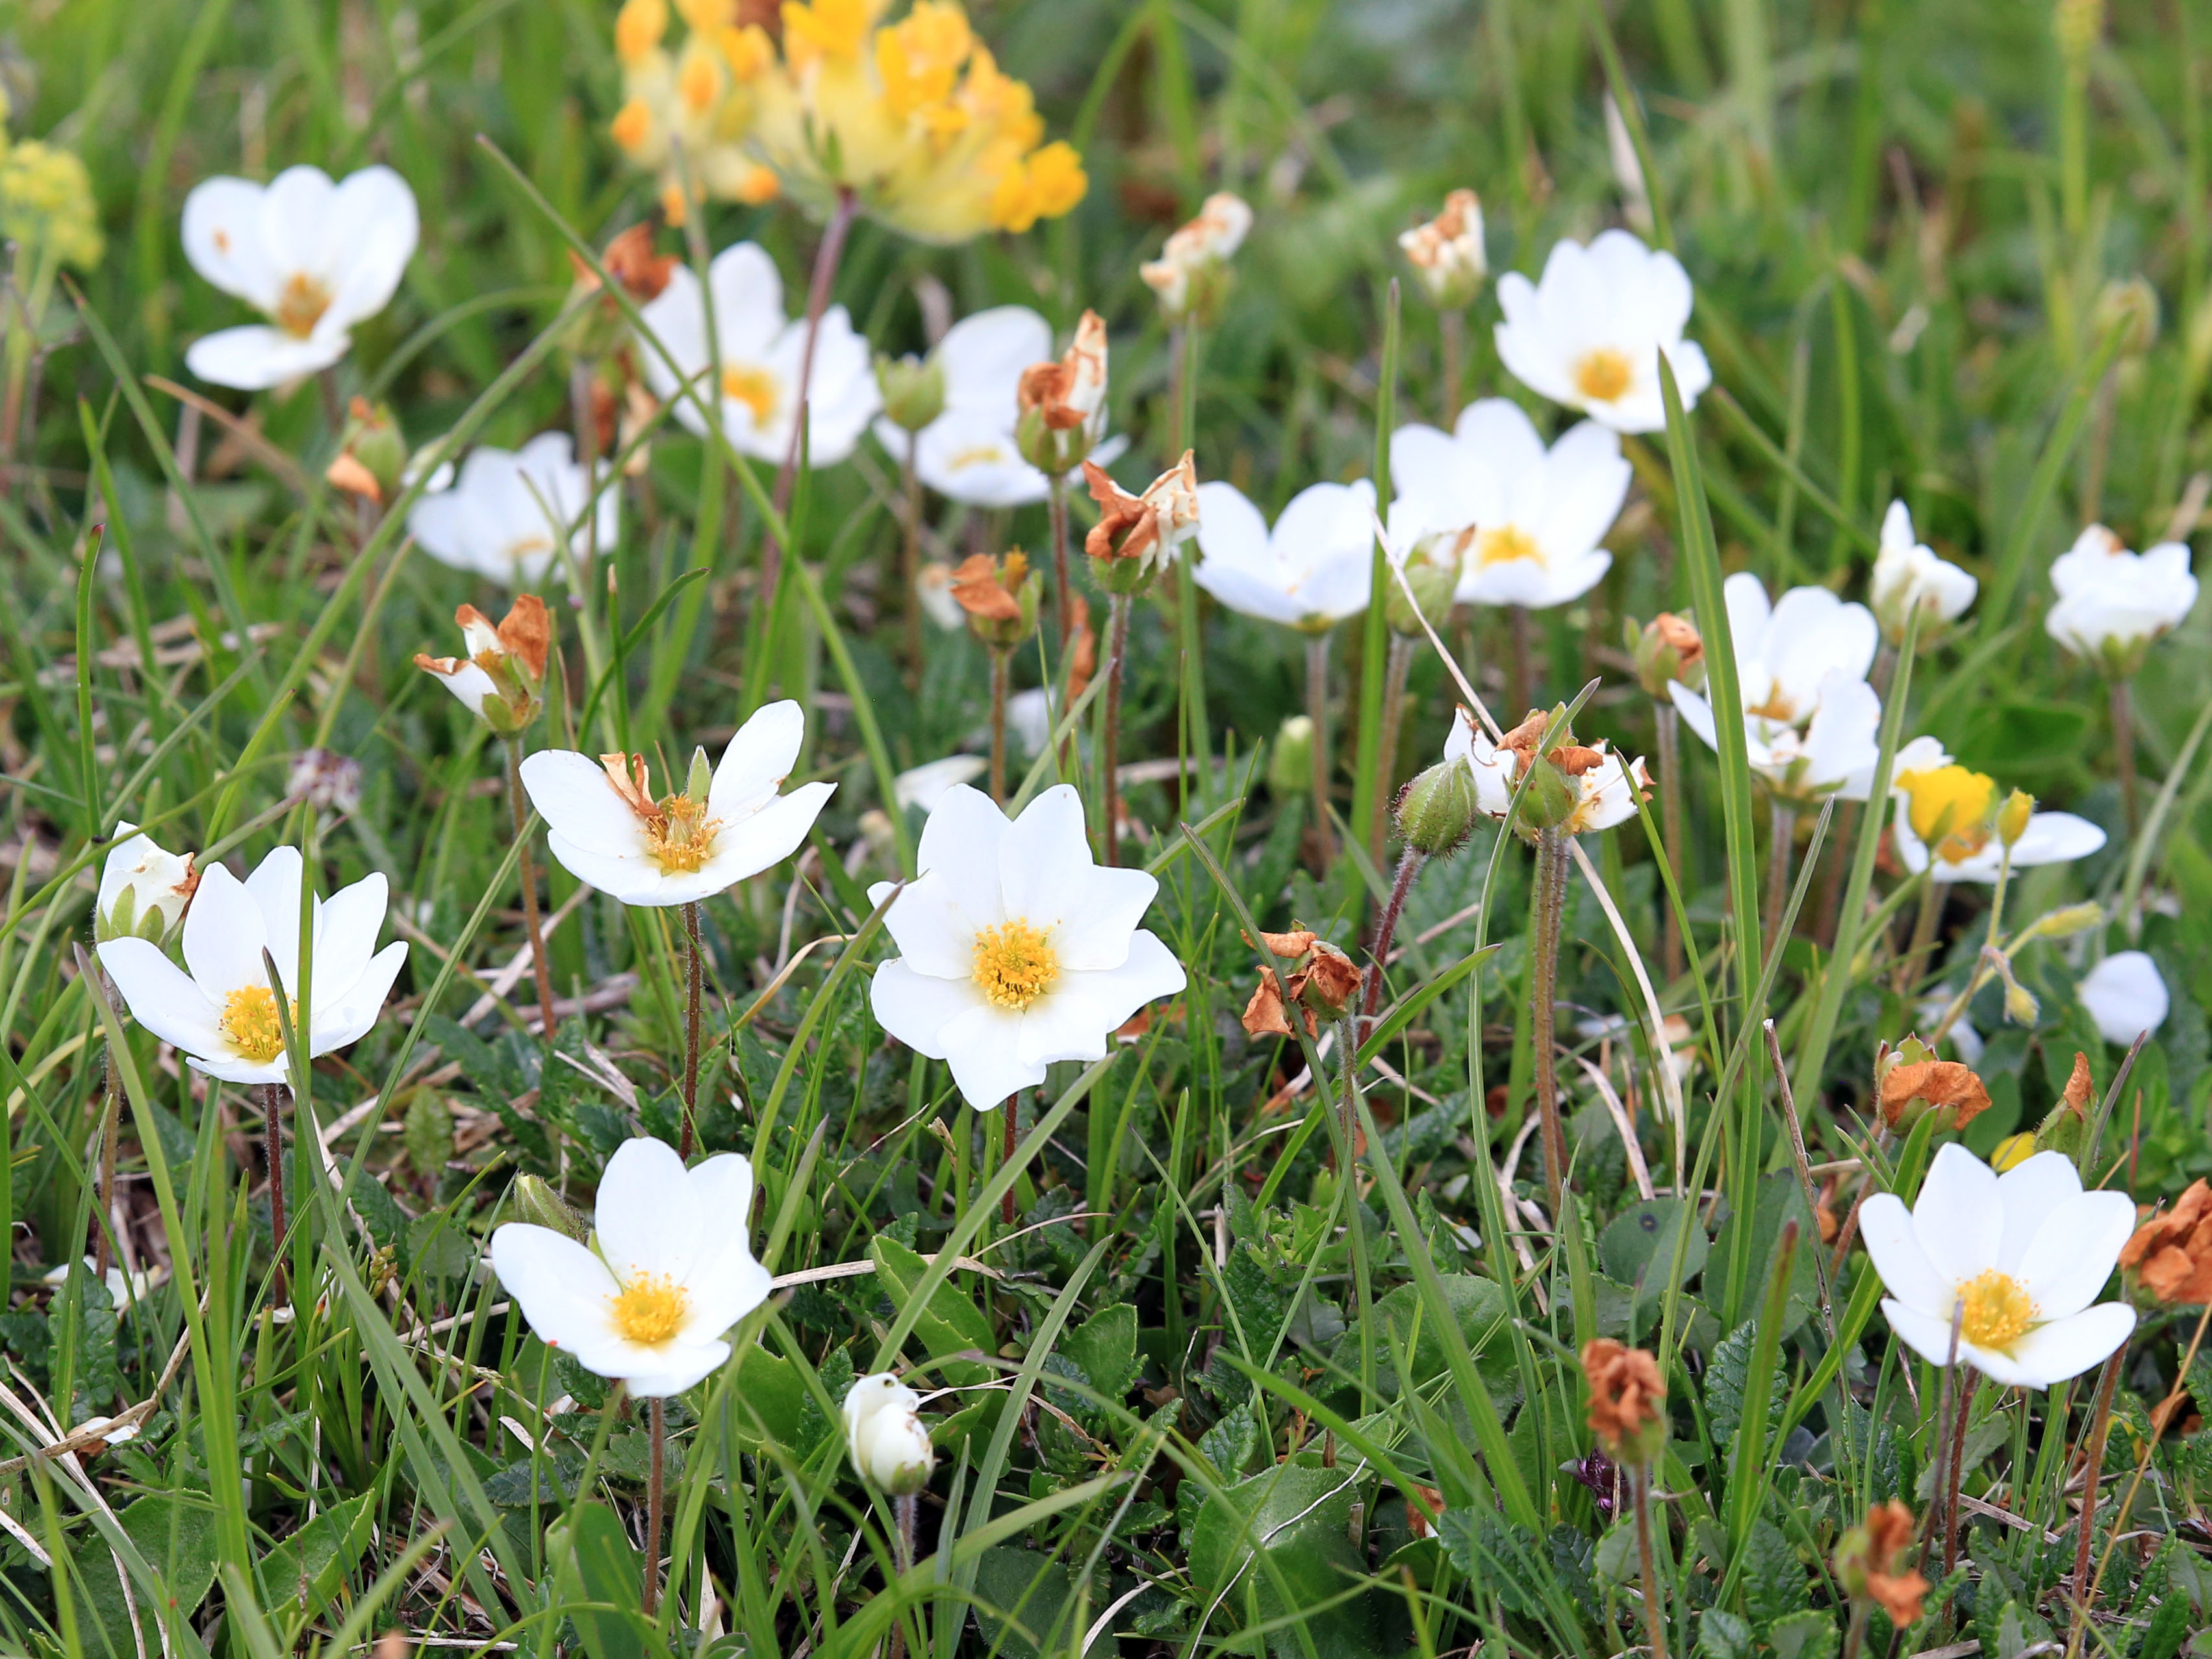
[
  {"x": 1195, "y": 254},
  {"x": 2126, "y": 995},
  {"x": 1030, "y": 718},
  {"x": 1143, "y": 531},
  {"x": 1016, "y": 950},
  {"x": 2112, "y": 603},
  {"x": 1537, "y": 515},
  {"x": 1906, "y": 572},
  {"x": 1589, "y": 334},
  {"x": 888, "y": 1446},
  {"x": 312, "y": 257},
  {"x": 123, "y": 1289},
  {"x": 927, "y": 785},
  {"x": 669, "y": 1272},
  {"x": 1834, "y": 754},
  {"x": 1604, "y": 791},
  {"x": 1934, "y": 794},
  {"x": 499, "y": 680},
  {"x": 1313, "y": 570},
  {"x": 143, "y": 888},
  {"x": 2023, "y": 1253},
  {"x": 1447, "y": 254},
  {"x": 507, "y": 515},
  {"x": 220, "y": 1009},
  {"x": 605, "y": 826},
  {"x": 758, "y": 378}
]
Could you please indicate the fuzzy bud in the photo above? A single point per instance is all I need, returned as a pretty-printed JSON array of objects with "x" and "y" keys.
[
  {"x": 888, "y": 1446},
  {"x": 1289, "y": 765},
  {"x": 2013, "y": 817},
  {"x": 1669, "y": 647},
  {"x": 537, "y": 1203},
  {"x": 913, "y": 390},
  {"x": 1437, "y": 809},
  {"x": 1549, "y": 798},
  {"x": 144, "y": 890}
]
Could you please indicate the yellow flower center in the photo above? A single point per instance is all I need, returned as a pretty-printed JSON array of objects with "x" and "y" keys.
[
  {"x": 1998, "y": 1307},
  {"x": 684, "y": 838},
  {"x": 1777, "y": 707},
  {"x": 300, "y": 304},
  {"x": 650, "y": 1309},
  {"x": 756, "y": 388},
  {"x": 1015, "y": 965},
  {"x": 1603, "y": 375},
  {"x": 1954, "y": 802},
  {"x": 1504, "y": 546},
  {"x": 978, "y": 455},
  {"x": 249, "y": 1020}
]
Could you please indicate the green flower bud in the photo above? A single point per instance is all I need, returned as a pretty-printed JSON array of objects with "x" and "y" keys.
[
  {"x": 1669, "y": 647},
  {"x": 1549, "y": 798},
  {"x": 1289, "y": 766},
  {"x": 700, "y": 778},
  {"x": 1431, "y": 571},
  {"x": 913, "y": 390},
  {"x": 1437, "y": 809},
  {"x": 537, "y": 1203},
  {"x": 1054, "y": 452},
  {"x": 377, "y": 444}
]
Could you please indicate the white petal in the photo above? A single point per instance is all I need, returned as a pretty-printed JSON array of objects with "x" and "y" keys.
[
  {"x": 981, "y": 1047},
  {"x": 348, "y": 1019},
  {"x": 2056, "y": 838},
  {"x": 1096, "y": 935},
  {"x": 275, "y": 885},
  {"x": 674, "y": 1367},
  {"x": 961, "y": 844},
  {"x": 255, "y": 356},
  {"x": 572, "y": 794},
  {"x": 2065, "y": 1348},
  {"x": 222, "y": 240},
  {"x": 648, "y": 1218},
  {"x": 2029, "y": 1192},
  {"x": 1887, "y": 1226},
  {"x": 345, "y": 935},
  {"x": 631, "y": 876},
  {"x": 1925, "y": 1334},
  {"x": 983, "y": 356},
  {"x": 162, "y": 998},
  {"x": 2074, "y": 1253},
  {"x": 1044, "y": 862},
  {"x": 723, "y": 1184},
  {"x": 745, "y": 848},
  {"x": 2125, "y": 994},
  {"x": 563, "y": 1289},
  {"x": 918, "y": 1008},
  {"x": 376, "y": 210},
  {"x": 1958, "y": 1218},
  {"x": 723, "y": 1289},
  {"x": 757, "y": 761},
  {"x": 223, "y": 934}
]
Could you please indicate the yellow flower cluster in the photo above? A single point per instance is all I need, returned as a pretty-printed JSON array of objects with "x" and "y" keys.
[
  {"x": 46, "y": 203},
  {"x": 914, "y": 118},
  {"x": 689, "y": 110}
]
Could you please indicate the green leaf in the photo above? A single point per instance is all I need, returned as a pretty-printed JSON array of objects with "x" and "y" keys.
[
  {"x": 1640, "y": 1245},
  {"x": 1478, "y": 1308},
  {"x": 1723, "y": 1636},
  {"x": 949, "y": 1323},
  {"x": 1773, "y": 1579},
  {"x": 1728, "y": 1372},
  {"x": 1029, "y": 1594},
  {"x": 1804, "y": 1635},
  {"x": 1299, "y": 1518},
  {"x": 1231, "y": 1444},
  {"x": 595, "y": 1562},
  {"x": 1781, "y": 1200},
  {"x": 428, "y": 1135},
  {"x": 1104, "y": 1348},
  {"x": 301, "y": 1574},
  {"x": 175, "y": 1532}
]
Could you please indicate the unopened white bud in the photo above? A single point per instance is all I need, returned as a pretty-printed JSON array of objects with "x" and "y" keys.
[{"x": 889, "y": 1445}]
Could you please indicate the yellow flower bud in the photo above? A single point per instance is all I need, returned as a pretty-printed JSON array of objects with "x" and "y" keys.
[{"x": 2013, "y": 817}]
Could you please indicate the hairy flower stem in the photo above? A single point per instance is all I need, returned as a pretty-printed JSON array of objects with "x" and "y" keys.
[
  {"x": 1007, "y": 1156},
  {"x": 656, "y": 1418},
  {"x": 1454, "y": 353},
  {"x": 2100, "y": 1423},
  {"x": 111, "y": 1128},
  {"x": 910, "y": 558},
  {"x": 1655, "y": 1611},
  {"x": 1543, "y": 974},
  {"x": 826, "y": 257},
  {"x": 1109, "y": 791},
  {"x": 1855, "y": 1634},
  {"x": 1000, "y": 662},
  {"x": 696, "y": 974},
  {"x": 1055, "y": 502},
  {"x": 1778, "y": 857},
  {"x": 548, "y": 1018},
  {"x": 1668, "y": 722},
  {"x": 1968, "y": 1378},
  {"x": 1521, "y": 682},
  {"x": 1409, "y": 866},
  {"x": 1396, "y": 666},
  {"x": 907, "y": 1510},
  {"x": 1347, "y": 1176},
  {"x": 1317, "y": 713},
  {"x": 2123, "y": 752},
  {"x": 272, "y": 1133}
]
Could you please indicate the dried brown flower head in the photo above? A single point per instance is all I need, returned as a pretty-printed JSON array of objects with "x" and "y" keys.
[
  {"x": 2172, "y": 1253},
  {"x": 1626, "y": 1399},
  {"x": 1943, "y": 1084}
]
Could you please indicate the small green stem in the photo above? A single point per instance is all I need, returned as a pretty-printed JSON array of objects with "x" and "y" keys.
[
  {"x": 1317, "y": 715},
  {"x": 1551, "y": 904},
  {"x": 1669, "y": 722},
  {"x": 911, "y": 557},
  {"x": 1117, "y": 610},
  {"x": 1400, "y": 664},
  {"x": 1779, "y": 856},
  {"x": 2101, "y": 1422},
  {"x": 2123, "y": 752},
  {"x": 1000, "y": 660},
  {"x": 1655, "y": 1610},
  {"x": 695, "y": 973},
  {"x": 1409, "y": 866},
  {"x": 549, "y": 1018},
  {"x": 657, "y": 1419},
  {"x": 272, "y": 1103}
]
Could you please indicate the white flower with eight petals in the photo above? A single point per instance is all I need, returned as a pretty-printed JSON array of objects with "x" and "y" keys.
[
  {"x": 1313, "y": 569},
  {"x": 1589, "y": 335},
  {"x": 508, "y": 512},
  {"x": 2114, "y": 603}
]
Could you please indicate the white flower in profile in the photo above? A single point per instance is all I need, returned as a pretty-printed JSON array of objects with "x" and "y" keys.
[
  {"x": 1957, "y": 810},
  {"x": 2126, "y": 995},
  {"x": 756, "y": 381},
  {"x": 312, "y": 257},
  {"x": 884, "y": 1437},
  {"x": 1906, "y": 573},
  {"x": 1188, "y": 275},
  {"x": 507, "y": 511},
  {"x": 2114, "y": 603},
  {"x": 1311, "y": 571},
  {"x": 143, "y": 889},
  {"x": 1447, "y": 254},
  {"x": 2016, "y": 1258},
  {"x": 1016, "y": 950},
  {"x": 926, "y": 785},
  {"x": 669, "y": 1270},
  {"x": 220, "y": 1008},
  {"x": 1589, "y": 335},
  {"x": 1605, "y": 790},
  {"x": 607, "y": 829},
  {"x": 1537, "y": 515}
]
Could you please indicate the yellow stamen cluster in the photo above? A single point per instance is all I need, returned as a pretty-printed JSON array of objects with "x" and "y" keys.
[
  {"x": 1602, "y": 374},
  {"x": 300, "y": 305},
  {"x": 1015, "y": 965},
  {"x": 649, "y": 1309},
  {"x": 249, "y": 1020},
  {"x": 1504, "y": 546},
  {"x": 1998, "y": 1310},
  {"x": 914, "y": 118},
  {"x": 1954, "y": 803},
  {"x": 756, "y": 388},
  {"x": 684, "y": 837}
]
